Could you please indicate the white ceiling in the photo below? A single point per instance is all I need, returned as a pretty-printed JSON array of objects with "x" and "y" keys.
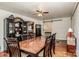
[{"x": 55, "y": 9}]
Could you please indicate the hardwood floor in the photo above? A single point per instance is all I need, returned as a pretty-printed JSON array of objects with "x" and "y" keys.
[
  {"x": 60, "y": 51},
  {"x": 4, "y": 54}
]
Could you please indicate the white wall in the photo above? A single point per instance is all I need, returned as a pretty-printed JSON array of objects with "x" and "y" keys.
[
  {"x": 61, "y": 27},
  {"x": 75, "y": 26},
  {"x": 5, "y": 14}
]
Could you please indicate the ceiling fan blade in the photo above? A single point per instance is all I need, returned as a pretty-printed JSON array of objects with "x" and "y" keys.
[
  {"x": 45, "y": 12},
  {"x": 38, "y": 11}
]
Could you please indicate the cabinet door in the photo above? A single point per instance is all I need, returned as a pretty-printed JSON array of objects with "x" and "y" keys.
[
  {"x": 24, "y": 28},
  {"x": 9, "y": 28}
]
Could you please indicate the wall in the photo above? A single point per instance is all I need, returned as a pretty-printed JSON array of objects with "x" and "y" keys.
[
  {"x": 75, "y": 26},
  {"x": 5, "y": 14},
  {"x": 61, "y": 27}
]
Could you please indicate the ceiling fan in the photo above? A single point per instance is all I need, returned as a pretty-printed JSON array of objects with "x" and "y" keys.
[{"x": 40, "y": 12}]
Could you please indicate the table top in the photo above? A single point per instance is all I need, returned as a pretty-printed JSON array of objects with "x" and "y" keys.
[{"x": 33, "y": 45}]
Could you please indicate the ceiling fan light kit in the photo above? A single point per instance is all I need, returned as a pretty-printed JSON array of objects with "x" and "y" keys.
[{"x": 40, "y": 14}]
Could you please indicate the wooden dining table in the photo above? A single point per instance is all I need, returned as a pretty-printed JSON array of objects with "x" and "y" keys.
[{"x": 33, "y": 46}]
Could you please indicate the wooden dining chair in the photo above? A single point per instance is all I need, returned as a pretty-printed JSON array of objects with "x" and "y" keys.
[
  {"x": 13, "y": 47},
  {"x": 53, "y": 42},
  {"x": 47, "y": 49},
  {"x": 50, "y": 45}
]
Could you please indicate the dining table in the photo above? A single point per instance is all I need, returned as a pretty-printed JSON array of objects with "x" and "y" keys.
[{"x": 33, "y": 46}]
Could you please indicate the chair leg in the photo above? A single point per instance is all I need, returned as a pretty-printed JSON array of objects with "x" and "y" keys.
[
  {"x": 54, "y": 49},
  {"x": 20, "y": 53},
  {"x": 50, "y": 53},
  {"x": 44, "y": 53}
]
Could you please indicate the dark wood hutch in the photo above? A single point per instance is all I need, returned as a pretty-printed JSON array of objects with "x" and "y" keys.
[{"x": 17, "y": 27}]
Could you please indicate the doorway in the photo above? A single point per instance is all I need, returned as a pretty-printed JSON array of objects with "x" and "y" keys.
[{"x": 38, "y": 30}]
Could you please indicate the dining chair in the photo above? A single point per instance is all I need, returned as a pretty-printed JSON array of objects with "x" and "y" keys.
[
  {"x": 53, "y": 42},
  {"x": 13, "y": 47},
  {"x": 47, "y": 49},
  {"x": 50, "y": 45}
]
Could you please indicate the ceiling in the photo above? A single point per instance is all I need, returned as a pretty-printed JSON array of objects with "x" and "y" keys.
[{"x": 55, "y": 9}]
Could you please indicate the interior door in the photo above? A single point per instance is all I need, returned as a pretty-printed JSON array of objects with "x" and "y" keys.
[{"x": 38, "y": 30}]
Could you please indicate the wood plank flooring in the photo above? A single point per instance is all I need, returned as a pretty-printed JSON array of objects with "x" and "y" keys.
[{"x": 61, "y": 50}]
